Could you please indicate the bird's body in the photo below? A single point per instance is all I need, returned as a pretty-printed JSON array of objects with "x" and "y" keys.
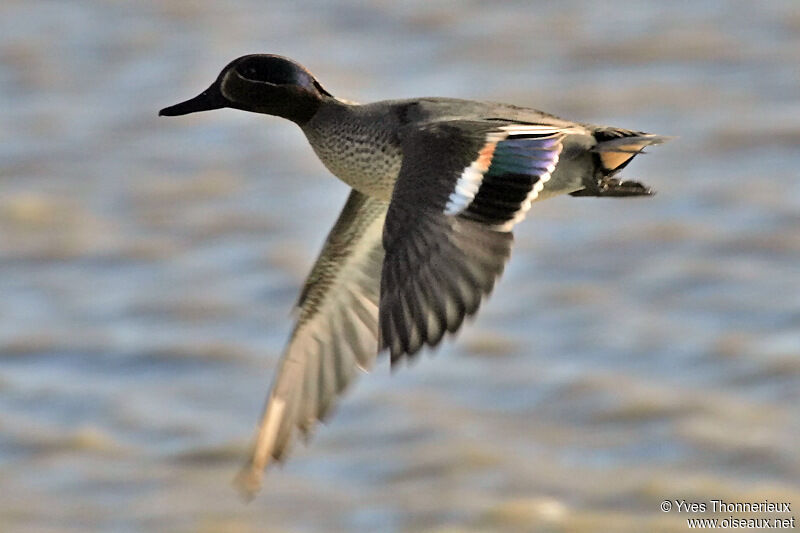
[
  {"x": 362, "y": 144},
  {"x": 437, "y": 186}
]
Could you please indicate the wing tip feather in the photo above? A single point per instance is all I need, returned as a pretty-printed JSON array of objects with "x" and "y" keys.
[{"x": 247, "y": 482}]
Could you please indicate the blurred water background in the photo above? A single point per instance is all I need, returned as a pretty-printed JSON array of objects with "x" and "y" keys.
[{"x": 635, "y": 350}]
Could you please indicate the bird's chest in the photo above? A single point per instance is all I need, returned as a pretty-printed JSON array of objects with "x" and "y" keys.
[{"x": 366, "y": 160}]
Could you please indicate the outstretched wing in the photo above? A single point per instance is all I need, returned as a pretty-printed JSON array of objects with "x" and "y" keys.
[
  {"x": 462, "y": 187},
  {"x": 336, "y": 334}
]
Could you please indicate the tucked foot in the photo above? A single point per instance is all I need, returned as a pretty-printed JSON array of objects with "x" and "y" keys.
[{"x": 615, "y": 188}]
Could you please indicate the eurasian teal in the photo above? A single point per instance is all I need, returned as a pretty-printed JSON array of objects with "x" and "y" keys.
[{"x": 437, "y": 186}]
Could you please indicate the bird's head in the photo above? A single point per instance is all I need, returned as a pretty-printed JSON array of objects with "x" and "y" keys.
[{"x": 261, "y": 83}]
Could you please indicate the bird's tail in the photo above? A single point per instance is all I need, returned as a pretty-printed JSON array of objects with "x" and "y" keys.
[{"x": 616, "y": 147}]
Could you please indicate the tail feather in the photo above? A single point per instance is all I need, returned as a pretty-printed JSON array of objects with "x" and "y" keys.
[{"x": 616, "y": 147}]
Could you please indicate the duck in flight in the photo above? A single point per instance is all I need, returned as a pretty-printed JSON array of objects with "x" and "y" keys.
[{"x": 437, "y": 184}]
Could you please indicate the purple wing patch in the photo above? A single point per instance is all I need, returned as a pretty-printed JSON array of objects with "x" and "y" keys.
[{"x": 521, "y": 163}]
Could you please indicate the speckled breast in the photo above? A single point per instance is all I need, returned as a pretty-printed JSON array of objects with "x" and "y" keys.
[{"x": 359, "y": 153}]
